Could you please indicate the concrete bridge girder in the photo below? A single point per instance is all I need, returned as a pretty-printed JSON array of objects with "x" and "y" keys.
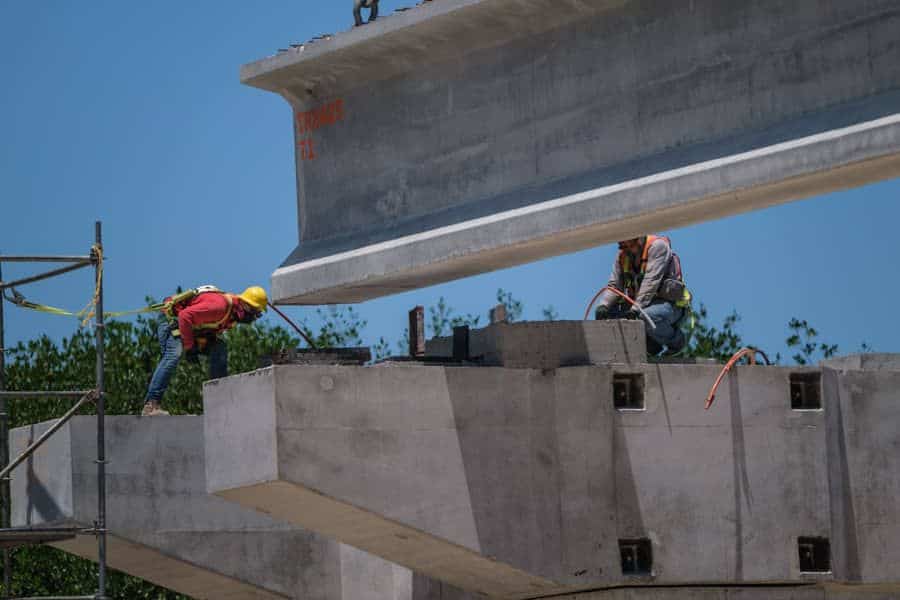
[{"x": 470, "y": 135}]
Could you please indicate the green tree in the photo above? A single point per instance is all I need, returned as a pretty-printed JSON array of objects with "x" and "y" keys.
[
  {"x": 131, "y": 355},
  {"x": 710, "y": 341},
  {"x": 808, "y": 350},
  {"x": 514, "y": 308},
  {"x": 442, "y": 320}
]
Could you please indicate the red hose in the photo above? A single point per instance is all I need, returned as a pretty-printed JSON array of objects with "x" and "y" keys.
[
  {"x": 751, "y": 351},
  {"x": 624, "y": 297}
]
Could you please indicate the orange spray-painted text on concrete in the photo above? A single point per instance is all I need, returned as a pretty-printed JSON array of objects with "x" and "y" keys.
[{"x": 307, "y": 122}]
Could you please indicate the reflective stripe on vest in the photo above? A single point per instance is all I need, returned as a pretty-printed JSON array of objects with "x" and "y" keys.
[
  {"x": 173, "y": 303},
  {"x": 634, "y": 279},
  {"x": 215, "y": 326},
  {"x": 170, "y": 308}
]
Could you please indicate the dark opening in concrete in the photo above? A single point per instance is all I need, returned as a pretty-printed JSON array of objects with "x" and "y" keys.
[
  {"x": 815, "y": 554},
  {"x": 461, "y": 342},
  {"x": 637, "y": 557},
  {"x": 806, "y": 391},
  {"x": 628, "y": 391}
]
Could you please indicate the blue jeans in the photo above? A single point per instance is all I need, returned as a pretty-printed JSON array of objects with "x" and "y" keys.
[
  {"x": 665, "y": 316},
  {"x": 170, "y": 346}
]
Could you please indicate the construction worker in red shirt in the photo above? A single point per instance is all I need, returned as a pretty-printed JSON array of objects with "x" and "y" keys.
[
  {"x": 649, "y": 272},
  {"x": 191, "y": 325}
]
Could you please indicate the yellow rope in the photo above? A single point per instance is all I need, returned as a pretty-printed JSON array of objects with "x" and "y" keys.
[{"x": 90, "y": 310}]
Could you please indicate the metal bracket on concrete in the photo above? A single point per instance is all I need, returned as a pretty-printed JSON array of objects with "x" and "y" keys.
[{"x": 317, "y": 356}]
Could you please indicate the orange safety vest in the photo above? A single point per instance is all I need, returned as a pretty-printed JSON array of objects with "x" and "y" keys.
[{"x": 633, "y": 274}]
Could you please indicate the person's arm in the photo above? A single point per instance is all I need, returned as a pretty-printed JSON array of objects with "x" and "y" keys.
[
  {"x": 608, "y": 299},
  {"x": 658, "y": 258}
]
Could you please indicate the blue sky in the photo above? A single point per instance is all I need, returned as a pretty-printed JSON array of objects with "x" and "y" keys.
[{"x": 133, "y": 113}]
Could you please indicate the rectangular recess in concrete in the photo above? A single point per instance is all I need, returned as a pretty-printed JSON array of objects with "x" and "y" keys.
[
  {"x": 806, "y": 390},
  {"x": 474, "y": 135},
  {"x": 628, "y": 391},
  {"x": 637, "y": 557},
  {"x": 815, "y": 554}
]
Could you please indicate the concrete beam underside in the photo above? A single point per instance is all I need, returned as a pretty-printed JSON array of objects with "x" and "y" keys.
[{"x": 830, "y": 162}]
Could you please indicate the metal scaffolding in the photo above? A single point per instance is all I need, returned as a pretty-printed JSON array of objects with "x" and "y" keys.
[{"x": 13, "y": 537}]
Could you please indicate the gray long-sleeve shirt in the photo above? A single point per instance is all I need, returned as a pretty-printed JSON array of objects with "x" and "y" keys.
[{"x": 660, "y": 266}]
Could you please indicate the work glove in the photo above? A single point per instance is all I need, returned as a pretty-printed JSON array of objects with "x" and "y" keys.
[
  {"x": 634, "y": 313},
  {"x": 602, "y": 312},
  {"x": 192, "y": 355}
]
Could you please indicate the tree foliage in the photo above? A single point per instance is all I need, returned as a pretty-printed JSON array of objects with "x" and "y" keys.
[
  {"x": 807, "y": 349},
  {"x": 710, "y": 341},
  {"x": 514, "y": 308},
  {"x": 442, "y": 320},
  {"x": 131, "y": 353}
]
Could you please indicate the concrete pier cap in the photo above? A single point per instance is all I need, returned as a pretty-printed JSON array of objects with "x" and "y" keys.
[
  {"x": 532, "y": 477},
  {"x": 465, "y": 136}
]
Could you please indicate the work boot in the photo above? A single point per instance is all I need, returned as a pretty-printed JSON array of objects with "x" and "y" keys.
[
  {"x": 653, "y": 347},
  {"x": 676, "y": 347},
  {"x": 153, "y": 409}
]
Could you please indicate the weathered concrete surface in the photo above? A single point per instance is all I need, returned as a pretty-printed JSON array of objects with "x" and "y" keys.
[
  {"x": 165, "y": 528},
  {"x": 828, "y": 592},
  {"x": 471, "y": 135},
  {"x": 863, "y": 408},
  {"x": 519, "y": 482},
  {"x": 548, "y": 345}
]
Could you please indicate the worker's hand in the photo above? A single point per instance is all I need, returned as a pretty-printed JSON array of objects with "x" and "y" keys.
[
  {"x": 192, "y": 355},
  {"x": 634, "y": 313},
  {"x": 602, "y": 312}
]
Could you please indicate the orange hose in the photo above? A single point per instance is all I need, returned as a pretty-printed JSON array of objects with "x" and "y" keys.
[
  {"x": 624, "y": 297},
  {"x": 749, "y": 350}
]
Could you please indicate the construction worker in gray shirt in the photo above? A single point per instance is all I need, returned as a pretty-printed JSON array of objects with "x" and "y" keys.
[{"x": 649, "y": 272}]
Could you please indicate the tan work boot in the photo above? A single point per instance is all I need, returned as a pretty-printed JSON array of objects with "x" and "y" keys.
[{"x": 153, "y": 409}]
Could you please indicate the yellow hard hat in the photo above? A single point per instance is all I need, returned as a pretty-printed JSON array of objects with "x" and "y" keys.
[{"x": 256, "y": 297}]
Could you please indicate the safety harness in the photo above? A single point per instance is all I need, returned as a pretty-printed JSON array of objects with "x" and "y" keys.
[
  {"x": 633, "y": 274},
  {"x": 633, "y": 278},
  {"x": 176, "y": 303}
]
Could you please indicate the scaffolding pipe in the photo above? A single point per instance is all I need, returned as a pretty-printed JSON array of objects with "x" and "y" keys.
[
  {"x": 100, "y": 525},
  {"x": 99, "y": 528},
  {"x": 47, "y": 394},
  {"x": 5, "y": 508},
  {"x": 46, "y": 435},
  {"x": 59, "y": 598},
  {"x": 39, "y": 259},
  {"x": 46, "y": 275}
]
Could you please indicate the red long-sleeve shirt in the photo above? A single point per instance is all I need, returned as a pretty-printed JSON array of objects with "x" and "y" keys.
[{"x": 202, "y": 310}]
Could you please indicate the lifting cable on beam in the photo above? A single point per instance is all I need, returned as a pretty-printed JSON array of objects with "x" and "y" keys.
[
  {"x": 309, "y": 341},
  {"x": 750, "y": 352}
]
